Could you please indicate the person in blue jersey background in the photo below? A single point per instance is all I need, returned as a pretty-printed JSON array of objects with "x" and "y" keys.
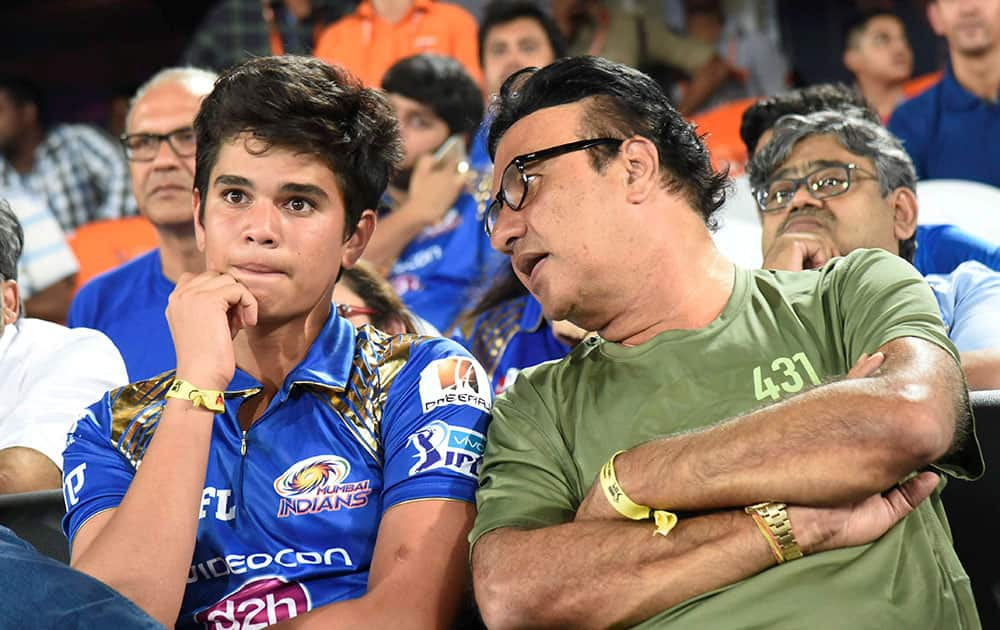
[
  {"x": 430, "y": 242},
  {"x": 507, "y": 332},
  {"x": 291, "y": 466}
]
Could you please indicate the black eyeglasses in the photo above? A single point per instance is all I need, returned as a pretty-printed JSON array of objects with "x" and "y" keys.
[
  {"x": 826, "y": 181},
  {"x": 514, "y": 181},
  {"x": 143, "y": 147},
  {"x": 347, "y": 310}
]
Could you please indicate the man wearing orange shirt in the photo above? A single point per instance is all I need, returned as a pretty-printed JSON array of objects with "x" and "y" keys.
[{"x": 381, "y": 32}]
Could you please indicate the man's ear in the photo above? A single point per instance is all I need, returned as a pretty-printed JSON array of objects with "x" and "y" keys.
[
  {"x": 11, "y": 302},
  {"x": 199, "y": 229},
  {"x": 355, "y": 245},
  {"x": 906, "y": 212},
  {"x": 935, "y": 19},
  {"x": 642, "y": 165},
  {"x": 850, "y": 60}
]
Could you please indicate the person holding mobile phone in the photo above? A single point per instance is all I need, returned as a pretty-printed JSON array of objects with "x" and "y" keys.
[{"x": 430, "y": 243}]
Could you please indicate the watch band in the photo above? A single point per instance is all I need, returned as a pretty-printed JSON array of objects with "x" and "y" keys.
[{"x": 776, "y": 518}]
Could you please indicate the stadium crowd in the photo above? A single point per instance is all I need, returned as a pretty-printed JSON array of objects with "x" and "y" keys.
[{"x": 582, "y": 313}]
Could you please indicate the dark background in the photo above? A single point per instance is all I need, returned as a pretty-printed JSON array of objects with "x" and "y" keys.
[{"x": 84, "y": 52}]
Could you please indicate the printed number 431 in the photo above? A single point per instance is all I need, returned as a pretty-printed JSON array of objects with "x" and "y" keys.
[{"x": 791, "y": 381}]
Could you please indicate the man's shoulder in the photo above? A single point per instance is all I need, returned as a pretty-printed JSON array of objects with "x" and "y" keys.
[
  {"x": 392, "y": 356},
  {"x": 917, "y": 110},
  {"x": 562, "y": 374},
  {"x": 970, "y": 276},
  {"x": 129, "y": 415},
  {"x": 43, "y": 337},
  {"x": 131, "y": 281}
]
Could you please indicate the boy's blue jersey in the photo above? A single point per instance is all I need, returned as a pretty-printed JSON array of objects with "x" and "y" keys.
[
  {"x": 291, "y": 508},
  {"x": 509, "y": 337}
]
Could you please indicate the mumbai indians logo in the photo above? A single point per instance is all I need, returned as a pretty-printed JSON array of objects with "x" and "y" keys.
[
  {"x": 317, "y": 485},
  {"x": 441, "y": 445},
  {"x": 454, "y": 381}
]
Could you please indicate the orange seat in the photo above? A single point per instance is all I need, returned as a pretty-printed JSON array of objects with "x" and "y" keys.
[
  {"x": 919, "y": 85},
  {"x": 104, "y": 245},
  {"x": 722, "y": 124}
]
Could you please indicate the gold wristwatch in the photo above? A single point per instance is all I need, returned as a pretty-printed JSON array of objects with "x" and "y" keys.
[{"x": 776, "y": 518}]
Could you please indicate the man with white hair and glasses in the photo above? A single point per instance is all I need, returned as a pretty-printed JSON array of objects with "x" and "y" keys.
[{"x": 128, "y": 303}]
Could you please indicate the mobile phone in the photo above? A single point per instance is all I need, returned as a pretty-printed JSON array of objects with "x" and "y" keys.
[{"x": 451, "y": 150}]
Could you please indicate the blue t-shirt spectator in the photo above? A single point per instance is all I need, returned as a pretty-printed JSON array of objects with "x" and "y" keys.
[
  {"x": 950, "y": 133},
  {"x": 129, "y": 304},
  {"x": 942, "y": 248}
]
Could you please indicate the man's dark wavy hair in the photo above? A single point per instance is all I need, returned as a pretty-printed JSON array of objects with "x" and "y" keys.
[
  {"x": 304, "y": 105},
  {"x": 621, "y": 102}
]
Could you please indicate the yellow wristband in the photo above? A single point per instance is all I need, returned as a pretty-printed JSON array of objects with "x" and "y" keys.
[
  {"x": 664, "y": 520},
  {"x": 212, "y": 400}
]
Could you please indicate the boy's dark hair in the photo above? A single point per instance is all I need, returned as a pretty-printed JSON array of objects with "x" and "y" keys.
[
  {"x": 620, "y": 102},
  {"x": 857, "y": 22},
  {"x": 376, "y": 293},
  {"x": 763, "y": 114},
  {"x": 304, "y": 105},
  {"x": 500, "y": 12},
  {"x": 442, "y": 84}
]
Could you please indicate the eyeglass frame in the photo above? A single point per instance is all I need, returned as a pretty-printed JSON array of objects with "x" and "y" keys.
[
  {"x": 849, "y": 168},
  {"x": 160, "y": 138},
  {"x": 521, "y": 162},
  {"x": 350, "y": 310}
]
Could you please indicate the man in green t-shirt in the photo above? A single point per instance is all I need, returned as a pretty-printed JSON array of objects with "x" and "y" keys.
[{"x": 731, "y": 394}]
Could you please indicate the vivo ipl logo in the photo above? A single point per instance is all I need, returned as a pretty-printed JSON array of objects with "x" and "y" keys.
[
  {"x": 441, "y": 445},
  {"x": 258, "y": 603},
  {"x": 315, "y": 485}
]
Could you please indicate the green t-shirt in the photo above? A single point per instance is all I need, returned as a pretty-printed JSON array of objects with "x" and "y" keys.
[{"x": 779, "y": 334}]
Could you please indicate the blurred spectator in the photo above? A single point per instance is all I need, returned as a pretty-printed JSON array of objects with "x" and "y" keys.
[
  {"x": 953, "y": 129},
  {"x": 757, "y": 67},
  {"x": 940, "y": 248},
  {"x": 235, "y": 30},
  {"x": 829, "y": 183},
  {"x": 514, "y": 34},
  {"x": 79, "y": 170},
  {"x": 381, "y": 32},
  {"x": 878, "y": 54},
  {"x": 364, "y": 297},
  {"x": 507, "y": 332},
  {"x": 634, "y": 33},
  {"x": 48, "y": 376},
  {"x": 128, "y": 303},
  {"x": 430, "y": 241},
  {"x": 48, "y": 268}
]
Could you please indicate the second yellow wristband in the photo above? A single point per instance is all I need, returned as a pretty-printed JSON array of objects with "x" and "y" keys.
[{"x": 664, "y": 520}]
